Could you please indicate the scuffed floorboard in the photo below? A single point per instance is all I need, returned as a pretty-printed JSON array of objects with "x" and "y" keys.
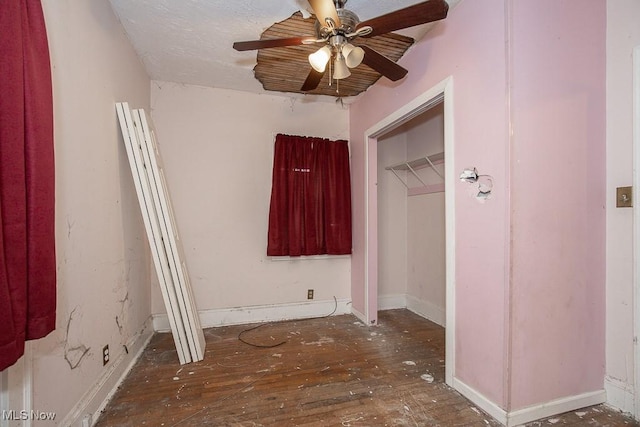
[{"x": 331, "y": 371}]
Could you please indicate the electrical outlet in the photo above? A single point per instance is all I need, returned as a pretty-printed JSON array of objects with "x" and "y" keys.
[
  {"x": 105, "y": 354},
  {"x": 87, "y": 421},
  {"x": 310, "y": 294}
]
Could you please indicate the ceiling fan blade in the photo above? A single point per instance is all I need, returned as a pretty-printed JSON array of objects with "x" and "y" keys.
[
  {"x": 269, "y": 43},
  {"x": 421, "y": 13},
  {"x": 324, "y": 9},
  {"x": 383, "y": 65},
  {"x": 312, "y": 81}
]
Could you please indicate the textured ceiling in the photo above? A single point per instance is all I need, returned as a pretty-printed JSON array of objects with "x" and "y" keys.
[{"x": 190, "y": 41}]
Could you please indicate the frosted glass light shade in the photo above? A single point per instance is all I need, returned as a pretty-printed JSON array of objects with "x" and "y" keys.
[
  {"x": 320, "y": 58},
  {"x": 353, "y": 55},
  {"x": 340, "y": 69}
]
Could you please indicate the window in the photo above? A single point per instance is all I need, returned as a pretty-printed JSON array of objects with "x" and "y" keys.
[{"x": 310, "y": 212}]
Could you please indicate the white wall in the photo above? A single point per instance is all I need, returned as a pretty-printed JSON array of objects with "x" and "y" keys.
[
  {"x": 623, "y": 34},
  {"x": 103, "y": 262},
  {"x": 392, "y": 222},
  {"x": 426, "y": 220},
  {"x": 217, "y": 147},
  {"x": 426, "y": 262}
]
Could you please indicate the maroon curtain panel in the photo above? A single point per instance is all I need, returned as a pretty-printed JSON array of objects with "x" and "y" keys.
[
  {"x": 27, "y": 233},
  {"x": 310, "y": 211}
]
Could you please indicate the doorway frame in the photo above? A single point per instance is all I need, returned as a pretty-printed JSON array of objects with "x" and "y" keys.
[
  {"x": 440, "y": 93},
  {"x": 636, "y": 227}
]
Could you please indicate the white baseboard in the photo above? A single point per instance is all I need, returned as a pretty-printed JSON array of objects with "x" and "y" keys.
[
  {"x": 261, "y": 313},
  {"x": 555, "y": 407},
  {"x": 359, "y": 315},
  {"x": 96, "y": 398},
  {"x": 423, "y": 308},
  {"x": 620, "y": 395},
  {"x": 531, "y": 413},
  {"x": 481, "y": 401},
  {"x": 391, "y": 302},
  {"x": 427, "y": 310}
]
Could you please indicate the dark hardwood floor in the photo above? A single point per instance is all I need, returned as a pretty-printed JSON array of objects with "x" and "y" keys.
[{"x": 331, "y": 371}]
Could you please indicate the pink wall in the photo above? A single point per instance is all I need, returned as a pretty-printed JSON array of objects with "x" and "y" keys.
[
  {"x": 558, "y": 212},
  {"x": 529, "y": 110},
  {"x": 468, "y": 45}
]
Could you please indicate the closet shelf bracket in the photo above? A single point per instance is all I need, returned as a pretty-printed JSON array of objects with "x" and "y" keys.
[{"x": 422, "y": 162}]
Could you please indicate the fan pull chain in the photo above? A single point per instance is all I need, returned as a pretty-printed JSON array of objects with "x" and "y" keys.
[{"x": 331, "y": 71}]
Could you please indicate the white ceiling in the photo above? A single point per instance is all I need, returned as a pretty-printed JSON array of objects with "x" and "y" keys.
[{"x": 190, "y": 41}]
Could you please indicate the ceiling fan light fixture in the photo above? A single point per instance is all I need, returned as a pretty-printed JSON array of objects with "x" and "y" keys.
[
  {"x": 353, "y": 55},
  {"x": 340, "y": 69},
  {"x": 320, "y": 58}
]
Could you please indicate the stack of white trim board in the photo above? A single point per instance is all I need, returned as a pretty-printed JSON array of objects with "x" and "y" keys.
[{"x": 166, "y": 248}]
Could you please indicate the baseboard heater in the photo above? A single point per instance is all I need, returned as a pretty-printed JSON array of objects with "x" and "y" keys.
[{"x": 158, "y": 218}]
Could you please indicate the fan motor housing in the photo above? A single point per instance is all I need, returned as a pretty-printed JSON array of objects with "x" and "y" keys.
[{"x": 348, "y": 24}]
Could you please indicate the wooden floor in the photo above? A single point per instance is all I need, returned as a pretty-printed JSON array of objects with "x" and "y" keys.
[{"x": 331, "y": 371}]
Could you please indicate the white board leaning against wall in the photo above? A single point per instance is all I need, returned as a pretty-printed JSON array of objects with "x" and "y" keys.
[{"x": 166, "y": 248}]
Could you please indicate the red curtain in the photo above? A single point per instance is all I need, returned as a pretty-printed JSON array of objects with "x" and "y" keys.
[
  {"x": 27, "y": 244},
  {"x": 310, "y": 211}
]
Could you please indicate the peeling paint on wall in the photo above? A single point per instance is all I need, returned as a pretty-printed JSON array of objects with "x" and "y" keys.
[
  {"x": 69, "y": 227},
  {"x": 120, "y": 318},
  {"x": 76, "y": 353},
  {"x": 119, "y": 325},
  {"x": 480, "y": 186},
  {"x": 485, "y": 185}
]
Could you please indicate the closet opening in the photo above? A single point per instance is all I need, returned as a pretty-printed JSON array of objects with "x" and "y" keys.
[
  {"x": 411, "y": 217},
  {"x": 409, "y": 250}
]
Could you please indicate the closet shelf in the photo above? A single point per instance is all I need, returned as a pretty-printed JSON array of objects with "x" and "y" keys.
[
  {"x": 418, "y": 163},
  {"x": 413, "y": 165}
]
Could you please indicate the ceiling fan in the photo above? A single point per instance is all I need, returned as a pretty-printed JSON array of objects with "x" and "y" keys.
[{"x": 336, "y": 27}]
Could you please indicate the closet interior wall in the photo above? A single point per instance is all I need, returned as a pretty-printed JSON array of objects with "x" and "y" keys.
[{"x": 411, "y": 266}]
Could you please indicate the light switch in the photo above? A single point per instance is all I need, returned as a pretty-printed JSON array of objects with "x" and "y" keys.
[{"x": 624, "y": 198}]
